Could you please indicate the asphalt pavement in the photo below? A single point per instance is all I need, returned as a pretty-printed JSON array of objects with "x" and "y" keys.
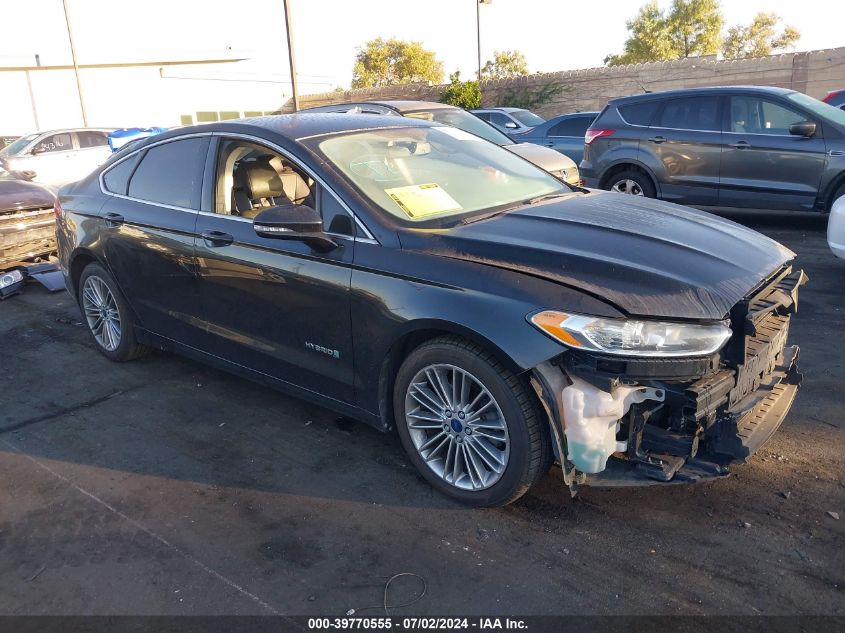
[{"x": 164, "y": 487}]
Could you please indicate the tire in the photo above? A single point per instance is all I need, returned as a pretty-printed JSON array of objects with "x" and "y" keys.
[
  {"x": 631, "y": 182},
  {"x": 103, "y": 306},
  {"x": 523, "y": 443}
]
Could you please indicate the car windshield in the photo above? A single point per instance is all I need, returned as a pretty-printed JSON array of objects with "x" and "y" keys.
[
  {"x": 824, "y": 110},
  {"x": 419, "y": 174},
  {"x": 464, "y": 121},
  {"x": 527, "y": 118},
  {"x": 16, "y": 147}
]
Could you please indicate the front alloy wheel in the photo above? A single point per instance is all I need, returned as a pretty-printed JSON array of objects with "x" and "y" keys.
[
  {"x": 457, "y": 427},
  {"x": 472, "y": 428}
]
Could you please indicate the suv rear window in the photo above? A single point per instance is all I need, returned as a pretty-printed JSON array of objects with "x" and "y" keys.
[
  {"x": 640, "y": 113},
  {"x": 690, "y": 113}
]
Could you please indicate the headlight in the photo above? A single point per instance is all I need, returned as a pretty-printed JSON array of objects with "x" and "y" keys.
[
  {"x": 11, "y": 277},
  {"x": 631, "y": 337}
]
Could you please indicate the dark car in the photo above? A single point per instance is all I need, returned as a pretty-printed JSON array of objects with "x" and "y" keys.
[
  {"x": 758, "y": 147},
  {"x": 836, "y": 98},
  {"x": 416, "y": 277},
  {"x": 564, "y": 134},
  {"x": 27, "y": 223}
]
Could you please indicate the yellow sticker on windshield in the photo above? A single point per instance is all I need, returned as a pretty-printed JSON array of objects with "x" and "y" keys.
[{"x": 421, "y": 200}]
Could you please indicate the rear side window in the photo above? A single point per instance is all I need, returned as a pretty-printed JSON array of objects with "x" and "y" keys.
[
  {"x": 91, "y": 139},
  {"x": 640, "y": 113},
  {"x": 171, "y": 173},
  {"x": 690, "y": 113},
  {"x": 576, "y": 126},
  {"x": 116, "y": 179}
]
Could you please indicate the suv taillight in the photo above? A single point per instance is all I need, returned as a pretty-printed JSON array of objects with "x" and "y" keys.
[
  {"x": 57, "y": 209},
  {"x": 591, "y": 135}
]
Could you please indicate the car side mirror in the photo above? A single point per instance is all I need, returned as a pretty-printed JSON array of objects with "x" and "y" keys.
[
  {"x": 511, "y": 125},
  {"x": 294, "y": 222},
  {"x": 37, "y": 150},
  {"x": 804, "y": 128}
]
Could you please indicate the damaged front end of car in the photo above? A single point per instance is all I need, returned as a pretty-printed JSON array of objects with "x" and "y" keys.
[{"x": 621, "y": 418}]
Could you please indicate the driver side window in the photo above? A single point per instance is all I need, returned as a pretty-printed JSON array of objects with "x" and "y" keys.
[{"x": 251, "y": 178}]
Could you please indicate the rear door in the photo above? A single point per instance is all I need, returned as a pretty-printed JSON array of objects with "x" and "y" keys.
[
  {"x": 567, "y": 136},
  {"x": 763, "y": 165},
  {"x": 684, "y": 144},
  {"x": 92, "y": 150},
  {"x": 148, "y": 239}
]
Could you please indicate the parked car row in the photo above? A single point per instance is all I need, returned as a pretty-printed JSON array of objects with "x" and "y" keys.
[{"x": 737, "y": 146}]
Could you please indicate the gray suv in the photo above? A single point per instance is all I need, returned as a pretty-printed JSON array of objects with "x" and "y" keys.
[{"x": 737, "y": 146}]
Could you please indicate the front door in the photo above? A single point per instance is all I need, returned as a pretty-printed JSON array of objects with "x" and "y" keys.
[
  {"x": 275, "y": 306},
  {"x": 683, "y": 146},
  {"x": 148, "y": 240},
  {"x": 763, "y": 165}
]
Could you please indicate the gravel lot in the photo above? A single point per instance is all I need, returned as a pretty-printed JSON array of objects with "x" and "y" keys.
[{"x": 164, "y": 487}]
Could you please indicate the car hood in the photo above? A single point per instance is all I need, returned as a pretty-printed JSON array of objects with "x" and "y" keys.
[
  {"x": 646, "y": 257},
  {"x": 21, "y": 194},
  {"x": 543, "y": 157}
]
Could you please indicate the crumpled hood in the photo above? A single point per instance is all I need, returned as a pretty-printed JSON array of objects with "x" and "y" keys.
[
  {"x": 544, "y": 157},
  {"x": 646, "y": 257}
]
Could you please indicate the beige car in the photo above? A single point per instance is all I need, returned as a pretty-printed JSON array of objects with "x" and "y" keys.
[
  {"x": 57, "y": 157},
  {"x": 553, "y": 162}
]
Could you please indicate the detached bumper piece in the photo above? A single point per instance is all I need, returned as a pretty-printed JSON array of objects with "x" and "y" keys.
[{"x": 716, "y": 412}]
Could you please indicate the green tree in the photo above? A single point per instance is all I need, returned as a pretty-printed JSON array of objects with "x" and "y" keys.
[
  {"x": 760, "y": 38},
  {"x": 463, "y": 94},
  {"x": 688, "y": 29},
  {"x": 385, "y": 62},
  {"x": 505, "y": 64}
]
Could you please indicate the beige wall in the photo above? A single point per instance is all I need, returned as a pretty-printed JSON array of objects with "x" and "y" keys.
[{"x": 813, "y": 72}]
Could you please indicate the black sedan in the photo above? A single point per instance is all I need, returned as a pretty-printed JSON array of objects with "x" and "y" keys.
[{"x": 415, "y": 277}]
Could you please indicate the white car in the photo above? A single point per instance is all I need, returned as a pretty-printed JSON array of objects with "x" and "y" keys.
[
  {"x": 59, "y": 156},
  {"x": 836, "y": 228}
]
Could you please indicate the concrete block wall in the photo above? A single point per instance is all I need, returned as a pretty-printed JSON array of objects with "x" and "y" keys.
[{"x": 813, "y": 72}]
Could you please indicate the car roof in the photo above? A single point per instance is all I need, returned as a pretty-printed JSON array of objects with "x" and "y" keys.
[
  {"x": 68, "y": 129},
  {"x": 715, "y": 90},
  {"x": 502, "y": 109},
  {"x": 294, "y": 126},
  {"x": 398, "y": 106}
]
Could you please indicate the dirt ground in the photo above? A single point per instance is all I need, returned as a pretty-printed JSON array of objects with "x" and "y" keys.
[{"x": 164, "y": 487}]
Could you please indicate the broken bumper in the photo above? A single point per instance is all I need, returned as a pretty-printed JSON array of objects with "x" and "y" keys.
[{"x": 634, "y": 422}]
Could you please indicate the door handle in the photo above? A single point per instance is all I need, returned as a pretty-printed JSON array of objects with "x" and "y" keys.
[
  {"x": 741, "y": 144},
  {"x": 217, "y": 238},
  {"x": 113, "y": 219},
  {"x": 657, "y": 139},
  {"x": 549, "y": 144}
]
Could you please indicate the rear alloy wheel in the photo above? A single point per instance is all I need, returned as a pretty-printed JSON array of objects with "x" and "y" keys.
[
  {"x": 107, "y": 315},
  {"x": 632, "y": 183},
  {"x": 470, "y": 426}
]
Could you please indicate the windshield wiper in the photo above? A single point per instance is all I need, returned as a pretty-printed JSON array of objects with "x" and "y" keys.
[
  {"x": 548, "y": 196},
  {"x": 492, "y": 214}
]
